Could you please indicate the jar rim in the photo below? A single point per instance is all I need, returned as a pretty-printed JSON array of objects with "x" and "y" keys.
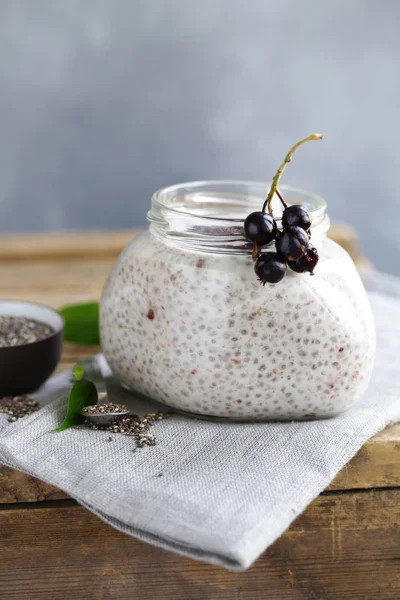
[
  {"x": 160, "y": 197},
  {"x": 209, "y": 215}
]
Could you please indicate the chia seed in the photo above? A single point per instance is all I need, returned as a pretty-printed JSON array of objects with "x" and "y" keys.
[
  {"x": 134, "y": 425},
  {"x": 17, "y": 407},
  {"x": 17, "y": 331},
  {"x": 101, "y": 409}
]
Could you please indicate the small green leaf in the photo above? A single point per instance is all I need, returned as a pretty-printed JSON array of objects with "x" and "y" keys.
[
  {"x": 81, "y": 323},
  {"x": 83, "y": 393},
  {"x": 78, "y": 372}
]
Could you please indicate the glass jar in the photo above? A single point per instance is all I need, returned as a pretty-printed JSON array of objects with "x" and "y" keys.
[{"x": 185, "y": 321}]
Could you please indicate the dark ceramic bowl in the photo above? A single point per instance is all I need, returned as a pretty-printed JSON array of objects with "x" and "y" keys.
[{"x": 24, "y": 368}]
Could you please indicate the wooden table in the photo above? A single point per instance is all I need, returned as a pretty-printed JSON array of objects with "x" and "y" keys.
[{"x": 346, "y": 545}]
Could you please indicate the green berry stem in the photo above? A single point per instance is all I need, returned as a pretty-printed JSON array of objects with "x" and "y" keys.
[{"x": 278, "y": 174}]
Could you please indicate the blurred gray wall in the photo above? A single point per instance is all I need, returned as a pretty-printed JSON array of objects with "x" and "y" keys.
[{"x": 104, "y": 101}]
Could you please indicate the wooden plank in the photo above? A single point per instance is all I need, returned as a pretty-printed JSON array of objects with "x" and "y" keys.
[
  {"x": 53, "y": 282},
  {"x": 343, "y": 547},
  {"x": 65, "y": 245},
  {"x": 16, "y": 487},
  {"x": 376, "y": 465}
]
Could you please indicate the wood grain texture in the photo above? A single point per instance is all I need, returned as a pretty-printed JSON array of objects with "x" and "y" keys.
[
  {"x": 65, "y": 245},
  {"x": 100, "y": 244},
  {"x": 377, "y": 464},
  {"x": 339, "y": 549},
  {"x": 18, "y": 487}
]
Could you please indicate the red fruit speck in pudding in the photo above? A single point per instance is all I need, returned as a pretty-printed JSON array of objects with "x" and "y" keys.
[
  {"x": 236, "y": 362},
  {"x": 150, "y": 314},
  {"x": 174, "y": 276},
  {"x": 194, "y": 371},
  {"x": 341, "y": 349},
  {"x": 200, "y": 263},
  {"x": 239, "y": 401}
]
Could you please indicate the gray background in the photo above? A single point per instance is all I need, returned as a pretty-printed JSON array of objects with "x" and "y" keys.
[{"x": 104, "y": 101}]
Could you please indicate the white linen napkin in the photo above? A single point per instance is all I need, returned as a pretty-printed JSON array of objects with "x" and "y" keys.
[{"x": 217, "y": 492}]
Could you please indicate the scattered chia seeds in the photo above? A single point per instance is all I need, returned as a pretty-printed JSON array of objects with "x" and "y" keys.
[
  {"x": 17, "y": 407},
  {"x": 17, "y": 331},
  {"x": 135, "y": 426}
]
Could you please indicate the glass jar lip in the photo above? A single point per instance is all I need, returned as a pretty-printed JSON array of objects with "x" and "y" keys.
[
  {"x": 209, "y": 216},
  {"x": 160, "y": 197}
]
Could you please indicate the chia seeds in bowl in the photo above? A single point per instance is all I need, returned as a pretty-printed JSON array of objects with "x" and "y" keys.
[
  {"x": 16, "y": 331},
  {"x": 31, "y": 338}
]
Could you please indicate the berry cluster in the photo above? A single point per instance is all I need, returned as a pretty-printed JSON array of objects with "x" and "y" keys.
[{"x": 292, "y": 243}]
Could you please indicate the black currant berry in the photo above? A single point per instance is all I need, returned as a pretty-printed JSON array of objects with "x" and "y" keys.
[
  {"x": 292, "y": 243},
  {"x": 306, "y": 263},
  {"x": 260, "y": 228},
  {"x": 270, "y": 268},
  {"x": 296, "y": 215}
]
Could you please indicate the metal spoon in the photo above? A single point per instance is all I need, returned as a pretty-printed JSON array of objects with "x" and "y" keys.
[{"x": 106, "y": 418}]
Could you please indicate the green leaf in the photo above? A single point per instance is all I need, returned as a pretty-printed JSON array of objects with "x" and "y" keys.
[
  {"x": 81, "y": 323},
  {"x": 78, "y": 372},
  {"x": 83, "y": 393}
]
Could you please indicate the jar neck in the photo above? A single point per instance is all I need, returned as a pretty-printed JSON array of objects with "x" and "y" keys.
[{"x": 209, "y": 216}]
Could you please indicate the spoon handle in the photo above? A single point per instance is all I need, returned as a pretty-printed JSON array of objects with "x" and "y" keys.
[{"x": 102, "y": 392}]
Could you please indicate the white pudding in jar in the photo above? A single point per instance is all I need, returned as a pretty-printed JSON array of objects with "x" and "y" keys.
[{"x": 185, "y": 321}]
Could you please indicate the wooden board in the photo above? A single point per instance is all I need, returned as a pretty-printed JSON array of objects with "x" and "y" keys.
[
  {"x": 339, "y": 549},
  {"x": 65, "y": 245},
  {"x": 346, "y": 546},
  {"x": 99, "y": 244}
]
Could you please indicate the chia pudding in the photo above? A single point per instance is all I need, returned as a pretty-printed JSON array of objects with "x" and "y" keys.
[{"x": 185, "y": 321}]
